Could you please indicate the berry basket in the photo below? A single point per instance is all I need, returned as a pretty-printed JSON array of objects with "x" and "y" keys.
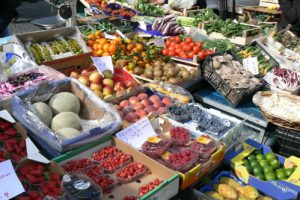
[{"x": 234, "y": 96}]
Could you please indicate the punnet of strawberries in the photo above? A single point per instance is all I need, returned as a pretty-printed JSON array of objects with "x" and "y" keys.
[
  {"x": 53, "y": 186},
  {"x": 34, "y": 173},
  {"x": 16, "y": 148},
  {"x": 150, "y": 186},
  {"x": 182, "y": 160},
  {"x": 6, "y": 130},
  {"x": 104, "y": 153},
  {"x": 180, "y": 135},
  {"x": 130, "y": 172},
  {"x": 113, "y": 163},
  {"x": 77, "y": 165},
  {"x": 30, "y": 195}
]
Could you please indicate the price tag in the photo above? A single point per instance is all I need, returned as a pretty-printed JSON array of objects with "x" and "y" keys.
[
  {"x": 204, "y": 140},
  {"x": 10, "y": 185},
  {"x": 159, "y": 42},
  {"x": 154, "y": 139},
  {"x": 251, "y": 64},
  {"x": 136, "y": 134},
  {"x": 121, "y": 34},
  {"x": 269, "y": 77},
  {"x": 110, "y": 37},
  {"x": 103, "y": 63}
]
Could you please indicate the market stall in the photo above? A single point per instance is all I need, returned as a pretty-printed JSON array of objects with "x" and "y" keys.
[{"x": 146, "y": 100}]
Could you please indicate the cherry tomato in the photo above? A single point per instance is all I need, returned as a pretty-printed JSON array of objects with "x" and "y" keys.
[
  {"x": 188, "y": 39},
  {"x": 168, "y": 43},
  {"x": 178, "y": 39},
  {"x": 165, "y": 52}
]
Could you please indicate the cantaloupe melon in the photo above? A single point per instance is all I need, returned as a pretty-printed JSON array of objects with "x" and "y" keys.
[
  {"x": 43, "y": 111},
  {"x": 67, "y": 133},
  {"x": 66, "y": 120},
  {"x": 64, "y": 102}
]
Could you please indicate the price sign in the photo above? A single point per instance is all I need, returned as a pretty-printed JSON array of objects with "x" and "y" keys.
[
  {"x": 136, "y": 134},
  {"x": 103, "y": 63},
  {"x": 121, "y": 34},
  {"x": 10, "y": 185},
  {"x": 110, "y": 37},
  {"x": 159, "y": 42},
  {"x": 251, "y": 64}
]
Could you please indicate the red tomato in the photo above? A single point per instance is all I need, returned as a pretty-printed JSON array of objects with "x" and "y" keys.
[
  {"x": 199, "y": 44},
  {"x": 190, "y": 55},
  {"x": 168, "y": 43},
  {"x": 173, "y": 44},
  {"x": 178, "y": 39},
  {"x": 177, "y": 51},
  {"x": 187, "y": 48},
  {"x": 188, "y": 39},
  {"x": 171, "y": 53},
  {"x": 192, "y": 45},
  {"x": 201, "y": 55},
  {"x": 171, "y": 48},
  {"x": 165, "y": 52},
  {"x": 196, "y": 49}
]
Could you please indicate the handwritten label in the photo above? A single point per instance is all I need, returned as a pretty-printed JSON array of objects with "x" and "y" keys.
[
  {"x": 121, "y": 34},
  {"x": 8, "y": 178},
  {"x": 110, "y": 37},
  {"x": 159, "y": 42},
  {"x": 136, "y": 134},
  {"x": 251, "y": 64},
  {"x": 103, "y": 63}
]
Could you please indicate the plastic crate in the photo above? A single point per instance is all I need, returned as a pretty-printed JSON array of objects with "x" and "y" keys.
[{"x": 234, "y": 96}]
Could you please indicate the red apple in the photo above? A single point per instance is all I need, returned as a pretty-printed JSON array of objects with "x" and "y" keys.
[
  {"x": 131, "y": 117},
  {"x": 95, "y": 77},
  {"x": 107, "y": 91},
  {"x": 124, "y": 103},
  {"x": 108, "y": 82},
  {"x": 150, "y": 109},
  {"x": 128, "y": 109},
  {"x": 83, "y": 80},
  {"x": 133, "y": 100},
  {"x": 95, "y": 86}
]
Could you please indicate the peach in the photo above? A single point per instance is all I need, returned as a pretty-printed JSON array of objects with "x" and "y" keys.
[
  {"x": 141, "y": 113},
  {"x": 133, "y": 100},
  {"x": 108, "y": 97},
  {"x": 121, "y": 113},
  {"x": 83, "y": 80},
  {"x": 146, "y": 102},
  {"x": 150, "y": 109},
  {"x": 161, "y": 110},
  {"x": 167, "y": 101},
  {"x": 120, "y": 93},
  {"x": 95, "y": 77},
  {"x": 95, "y": 86},
  {"x": 108, "y": 82},
  {"x": 138, "y": 106},
  {"x": 143, "y": 96},
  {"x": 154, "y": 98},
  {"x": 127, "y": 110},
  {"x": 158, "y": 104},
  {"x": 107, "y": 91},
  {"x": 117, "y": 107},
  {"x": 131, "y": 83},
  {"x": 124, "y": 103},
  {"x": 131, "y": 117},
  {"x": 119, "y": 87}
]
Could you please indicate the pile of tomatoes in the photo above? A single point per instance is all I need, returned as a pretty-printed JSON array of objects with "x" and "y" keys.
[
  {"x": 99, "y": 3},
  {"x": 185, "y": 48}
]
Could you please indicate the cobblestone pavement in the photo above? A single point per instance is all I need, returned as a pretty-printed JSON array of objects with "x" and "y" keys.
[{"x": 29, "y": 11}]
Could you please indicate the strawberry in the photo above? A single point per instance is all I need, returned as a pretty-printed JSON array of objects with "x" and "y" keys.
[
  {"x": 4, "y": 125},
  {"x": 16, "y": 148},
  {"x": 10, "y": 132}
]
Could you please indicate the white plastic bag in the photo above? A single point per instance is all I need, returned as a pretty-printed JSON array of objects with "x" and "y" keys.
[{"x": 181, "y": 4}]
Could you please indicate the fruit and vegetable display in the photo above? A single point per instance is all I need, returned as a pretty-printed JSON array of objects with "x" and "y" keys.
[
  {"x": 204, "y": 15},
  {"x": 98, "y": 3},
  {"x": 117, "y": 10},
  {"x": 143, "y": 105},
  {"x": 266, "y": 167},
  {"x": 105, "y": 87},
  {"x": 167, "y": 25},
  {"x": 202, "y": 119},
  {"x": 234, "y": 73},
  {"x": 168, "y": 72},
  {"x": 226, "y": 186},
  {"x": 220, "y": 45},
  {"x": 41, "y": 179},
  {"x": 146, "y": 8},
  {"x": 187, "y": 48},
  {"x": 21, "y": 81},
  {"x": 47, "y": 51},
  {"x": 265, "y": 62},
  {"x": 288, "y": 40}
]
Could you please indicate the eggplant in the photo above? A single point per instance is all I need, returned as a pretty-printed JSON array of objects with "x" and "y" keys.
[{"x": 169, "y": 18}]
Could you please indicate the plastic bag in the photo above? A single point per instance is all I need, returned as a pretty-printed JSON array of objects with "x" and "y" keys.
[
  {"x": 98, "y": 117},
  {"x": 182, "y": 159},
  {"x": 181, "y": 4},
  {"x": 180, "y": 136}
]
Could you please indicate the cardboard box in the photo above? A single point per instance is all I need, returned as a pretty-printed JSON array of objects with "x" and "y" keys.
[
  {"x": 50, "y": 35},
  {"x": 166, "y": 190},
  {"x": 92, "y": 108},
  {"x": 282, "y": 189}
]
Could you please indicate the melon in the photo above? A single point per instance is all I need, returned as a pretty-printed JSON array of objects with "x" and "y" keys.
[
  {"x": 66, "y": 120},
  {"x": 67, "y": 133},
  {"x": 64, "y": 102},
  {"x": 43, "y": 111}
]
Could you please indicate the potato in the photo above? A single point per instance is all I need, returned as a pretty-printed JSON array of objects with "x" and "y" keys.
[
  {"x": 226, "y": 191},
  {"x": 158, "y": 73}
]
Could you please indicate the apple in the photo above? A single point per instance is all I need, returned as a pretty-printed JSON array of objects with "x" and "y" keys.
[
  {"x": 95, "y": 86},
  {"x": 131, "y": 117},
  {"x": 83, "y": 80},
  {"x": 95, "y": 77},
  {"x": 138, "y": 106},
  {"x": 150, "y": 109},
  {"x": 119, "y": 86},
  {"x": 167, "y": 101},
  {"x": 143, "y": 96},
  {"x": 146, "y": 102},
  {"x": 74, "y": 74},
  {"x": 107, "y": 91},
  {"x": 120, "y": 93},
  {"x": 108, "y": 74},
  {"x": 124, "y": 103},
  {"x": 98, "y": 93},
  {"x": 154, "y": 98},
  {"x": 133, "y": 100},
  {"x": 141, "y": 113},
  {"x": 108, "y": 82},
  {"x": 84, "y": 71}
]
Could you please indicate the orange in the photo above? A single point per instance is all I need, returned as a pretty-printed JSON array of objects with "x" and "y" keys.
[
  {"x": 139, "y": 46},
  {"x": 100, "y": 46},
  {"x": 98, "y": 40},
  {"x": 106, "y": 47},
  {"x": 99, "y": 33},
  {"x": 99, "y": 52},
  {"x": 106, "y": 54},
  {"x": 130, "y": 47},
  {"x": 95, "y": 47},
  {"x": 135, "y": 50},
  {"x": 103, "y": 41},
  {"x": 90, "y": 42},
  {"x": 112, "y": 48},
  {"x": 114, "y": 42},
  {"x": 91, "y": 36}
]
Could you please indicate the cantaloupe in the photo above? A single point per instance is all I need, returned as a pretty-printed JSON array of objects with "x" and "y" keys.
[
  {"x": 66, "y": 120},
  {"x": 67, "y": 133},
  {"x": 43, "y": 111},
  {"x": 64, "y": 102}
]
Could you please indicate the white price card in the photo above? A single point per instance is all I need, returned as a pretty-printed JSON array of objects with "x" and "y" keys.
[
  {"x": 103, "y": 63},
  {"x": 110, "y": 37},
  {"x": 10, "y": 185},
  {"x": 121, "y": 34},
  {"x": 159, "y": 42},
  {"x": 251, "y": 64},
  {"x": 136, "y": 134}
]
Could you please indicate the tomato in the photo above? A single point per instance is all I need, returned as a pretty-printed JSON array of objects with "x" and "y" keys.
[
  {"x": 168, "y": 43},
  {"x": 190, "y": 55},
  {"x": 172, "y": 38},
  {"x": 192, "y": 45},
  {"x": 173, "y": 44},
  {"x": 196, "y": 49},
  {"x": 199, "y": 44},
  {"x": 171, "y": 53},
  {"x": 171, "y": 48},
  {"x": 178, "y": 39},
  {"x": 177, "y": 51},
  {"x": 165, "y": 52},
  {"x": 188, "y": 39},
  {"x": 201, "y": 55},
  {"x": 187, "y": 48}
]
